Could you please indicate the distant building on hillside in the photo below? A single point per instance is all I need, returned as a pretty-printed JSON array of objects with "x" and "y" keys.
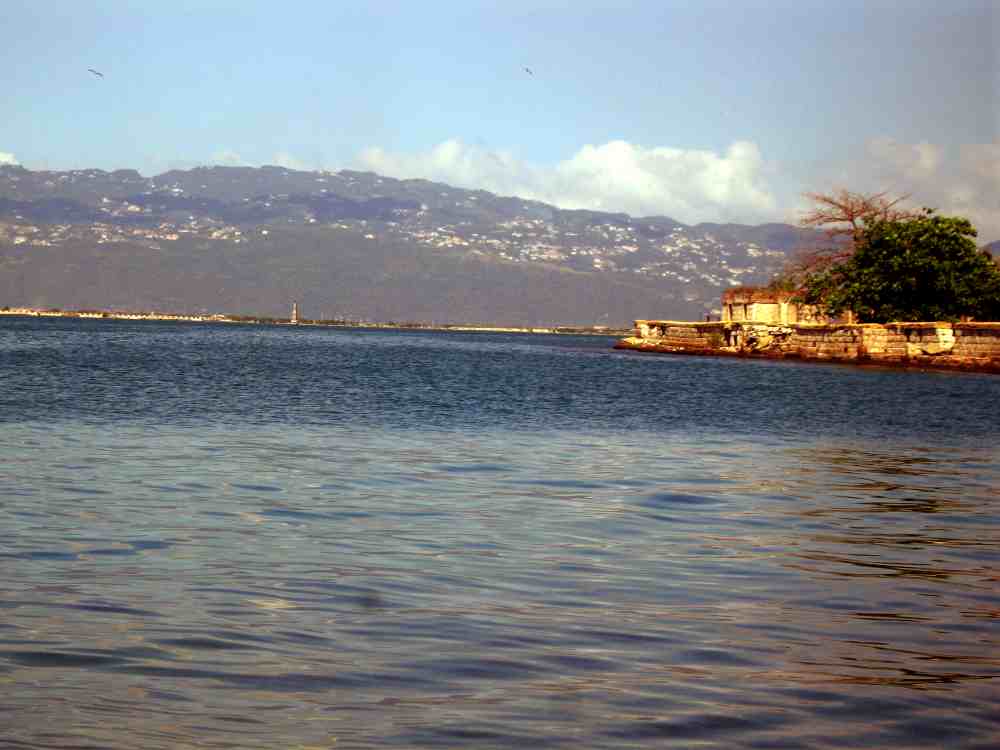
[{"x": 756, "y": 305}]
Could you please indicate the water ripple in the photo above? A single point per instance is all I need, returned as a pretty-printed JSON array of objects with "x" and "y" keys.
[{"x": 224, "y": 537}]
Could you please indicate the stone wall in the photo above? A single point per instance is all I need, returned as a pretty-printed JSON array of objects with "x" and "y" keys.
[
  {"x": 967, "y": 346},
  {"x": 977, "y": 340},
  {"x": 683, "y": 336}
]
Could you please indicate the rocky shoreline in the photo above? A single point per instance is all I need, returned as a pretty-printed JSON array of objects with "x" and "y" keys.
[{"x": 971, "y": 347}]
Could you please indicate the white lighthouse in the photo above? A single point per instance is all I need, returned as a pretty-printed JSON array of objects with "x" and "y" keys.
[{"x": 295, "y": 314}]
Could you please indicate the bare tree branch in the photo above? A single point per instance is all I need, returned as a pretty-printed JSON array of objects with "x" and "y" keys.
[
  {"x": 843, "y": 216},
  {"x": 845, "y": 213}
]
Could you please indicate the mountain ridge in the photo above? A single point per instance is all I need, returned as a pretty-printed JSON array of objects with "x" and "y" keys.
[{"x": 358, "y": 245}]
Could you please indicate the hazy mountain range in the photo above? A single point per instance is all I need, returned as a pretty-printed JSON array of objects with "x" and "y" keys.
[{"x": 355, "y": 245}]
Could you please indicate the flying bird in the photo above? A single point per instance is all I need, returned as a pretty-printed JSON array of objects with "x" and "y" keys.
[
  {"x": 97, "y": 73},
  {"x": 528, "y": 71}
]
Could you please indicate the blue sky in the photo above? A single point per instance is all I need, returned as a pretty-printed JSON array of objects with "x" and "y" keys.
[{"x": 704, "y": 111}]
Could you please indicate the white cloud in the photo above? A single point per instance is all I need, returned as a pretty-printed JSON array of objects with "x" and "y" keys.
[
  {"x": 286, "y": 160},
  {"x": 688, "y": 185},
  {"x": 909, "y": 161},
  {"x": 960, "y": 182},
  {"x": 6, "y": 158},
  {"x": 694, "y": 185},
  {"x": 228, "y": 158}
]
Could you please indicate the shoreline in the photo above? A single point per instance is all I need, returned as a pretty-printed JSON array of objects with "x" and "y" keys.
[
  {"x": 934, "y": 345},
  {"x": 29, "y": 312}
]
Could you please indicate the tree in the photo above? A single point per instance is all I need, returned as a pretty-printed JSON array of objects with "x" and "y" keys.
[
  {"x": 844, "y": 213},
  {"x": 843, "y": 216},
  {"x": 910, "y": 267}
]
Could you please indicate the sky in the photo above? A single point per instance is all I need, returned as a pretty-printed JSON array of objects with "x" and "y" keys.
[{"x": 701, "y": 111}]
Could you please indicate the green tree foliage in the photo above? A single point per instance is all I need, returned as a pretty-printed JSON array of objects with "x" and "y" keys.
[{"x": 925, "y": 267}]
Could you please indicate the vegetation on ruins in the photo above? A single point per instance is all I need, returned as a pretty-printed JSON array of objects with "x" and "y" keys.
[{"x": 885, "y": 263}]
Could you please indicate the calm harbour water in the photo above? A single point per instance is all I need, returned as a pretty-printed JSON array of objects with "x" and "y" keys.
[{"x": 259, "y": 537}]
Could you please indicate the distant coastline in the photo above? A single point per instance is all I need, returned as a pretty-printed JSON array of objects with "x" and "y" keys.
[{"x": 33, "y": 312}]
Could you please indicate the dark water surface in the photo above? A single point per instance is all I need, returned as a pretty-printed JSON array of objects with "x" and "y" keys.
[{"x": 252, "y": 537}]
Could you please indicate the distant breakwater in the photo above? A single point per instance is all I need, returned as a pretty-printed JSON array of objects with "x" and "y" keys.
[
  {"x": 260, "y": 320},
  {"x": 938, "y": 345}
]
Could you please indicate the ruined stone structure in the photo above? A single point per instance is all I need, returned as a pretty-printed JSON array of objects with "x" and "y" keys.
[
  {"x": 964, "y": 346},
  {"x": 764, "y": 306},
  {"x": 765, "y": 323}
]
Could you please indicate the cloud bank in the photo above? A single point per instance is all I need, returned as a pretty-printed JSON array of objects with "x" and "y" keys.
[
  {"x": 957, "y": 182},
  {"x": 686, "y": 184},
  {"x": 6, "y": 158},
  {"x": 228, "y": 158},
  {"x": 694, "y": 185}
]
